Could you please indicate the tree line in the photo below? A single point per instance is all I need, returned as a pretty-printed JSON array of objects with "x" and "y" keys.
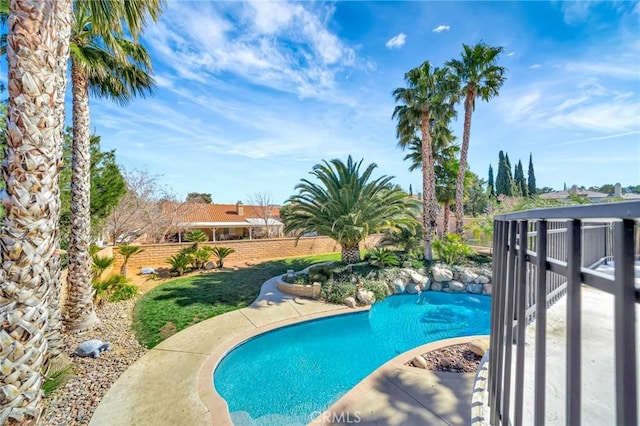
[{"x": 512, "y": 184}]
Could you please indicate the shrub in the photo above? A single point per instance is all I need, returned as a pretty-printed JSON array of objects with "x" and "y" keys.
[
  {"x": 379, "y": 288},
  {"x": 451, "y": 249},
  {"x": 114, "y": 289},
  {"x": 196, "y": 236},
  {"x": 180, "y": 262},
  {"x": 200, "y": 257},
  {"x": 382, "y": 257},
  {"x": 337, "y": 291},
  {"x": 320, "y": 274},
  {"x": 127, "y": 251},
  {"x": 99, "y": 265},
  {"x": 221, "y": 253}
]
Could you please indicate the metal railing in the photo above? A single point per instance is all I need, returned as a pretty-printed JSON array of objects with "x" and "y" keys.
[{"x": 541, "y": 256}]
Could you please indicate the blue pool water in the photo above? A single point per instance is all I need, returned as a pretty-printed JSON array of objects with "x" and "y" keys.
[{"x": 290, "y": 375}]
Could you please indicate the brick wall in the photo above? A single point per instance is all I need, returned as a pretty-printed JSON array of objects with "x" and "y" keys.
[{"x": 155, "y": 255}]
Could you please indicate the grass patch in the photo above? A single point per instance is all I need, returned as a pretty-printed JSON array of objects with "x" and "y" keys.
[{"x": 180, "y": 303}]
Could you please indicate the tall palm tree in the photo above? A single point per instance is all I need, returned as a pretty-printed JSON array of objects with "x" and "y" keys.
[
  {"x": 429, "y": 95},
  {"x": 346, "y": 205},
  {"x": 109, "y": 64},
  {"x": 480, "y": 77},
  {"x": 28, "y": 232}
]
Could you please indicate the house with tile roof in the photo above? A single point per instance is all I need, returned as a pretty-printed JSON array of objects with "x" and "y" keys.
[
  {"x": 222, "y": 222},
  {"x": 593, "y": 196}
]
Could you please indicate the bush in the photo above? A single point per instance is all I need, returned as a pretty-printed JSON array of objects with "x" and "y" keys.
[
  {"x": 115, "y": 288},
  {"x": 451, "y": 249},
  {"x": 379, "y": 288},
  {"x": 320, "y": 274},
  {"x": 196, "y": 236},
  {"x": 382, "y": 257},
  {"x": 180, "y": 262},
  {"x": 221, "y": 253},
  {"x": 300, "y": 279},
  {"x": 337, "y": 291}
]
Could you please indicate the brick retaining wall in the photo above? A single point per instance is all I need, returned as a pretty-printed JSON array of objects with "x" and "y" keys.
[{"x": 155, "y": 255}]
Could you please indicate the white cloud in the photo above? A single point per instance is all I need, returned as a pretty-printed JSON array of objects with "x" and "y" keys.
[
  {"x": 535, "y": 66},
  {"x": 441, "y": 28},
  {"x": 511, "y": 53},
  {"x": 396, "y": 41}
]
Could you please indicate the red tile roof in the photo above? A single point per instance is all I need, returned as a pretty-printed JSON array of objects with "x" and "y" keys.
[{"x": 199, "y": 212}]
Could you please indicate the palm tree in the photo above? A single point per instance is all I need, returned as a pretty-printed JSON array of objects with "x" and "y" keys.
[
  {"x": 127, "y": 251},
  {"x": 28, "y": 232},
  {"x": 109, "y": 64},
  {"x": 480, "y": 77},
  {"x": 429, "y": 95},
  {"x": 347, "y": 205}
]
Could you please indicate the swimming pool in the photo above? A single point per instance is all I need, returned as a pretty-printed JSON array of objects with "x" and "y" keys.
[{"x": 289, "y": 375}]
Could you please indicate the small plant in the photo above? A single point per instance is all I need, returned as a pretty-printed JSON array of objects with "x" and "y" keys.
[
  {"x": 180, "y": 262},
  {"x": 338, "y": 291},
  {"x": 128, "y": 251},
  {"x": 201, "y": 256},
  {"x": 196, "y": 236},
  {"x": 100, "y": 264},
  {"x": 320, "y": 274},
  {"x": 56, "y": 375},
  {"x": 382, "y": 257},
  {"x": 220, "y": 253},
  {"x": 379, "y": 289},
  {"x": 451, "y": 249},
  {"x": 115, "y": 288}
]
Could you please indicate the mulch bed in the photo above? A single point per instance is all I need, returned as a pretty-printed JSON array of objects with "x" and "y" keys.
[{"x": 454, "y": 359}]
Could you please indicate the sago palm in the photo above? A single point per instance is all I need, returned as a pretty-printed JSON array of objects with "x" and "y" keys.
[
  {"x": 109, "y": 64},
  {"x": 347, "y": 205},
  {"x": 480, "y": 77},
  {"x": 429, "y": 95},
  {"x": 28, "y": 285},
  {"x": 127, "y": 251}
]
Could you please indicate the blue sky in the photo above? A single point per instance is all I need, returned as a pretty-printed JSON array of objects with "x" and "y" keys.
[{"x": 251, "y": 95}]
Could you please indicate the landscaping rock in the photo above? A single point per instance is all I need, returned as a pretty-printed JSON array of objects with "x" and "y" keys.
[
  {"x": 445, "y": 363},
  {"x": 365, "y": 297},
  {"x": 483, "y": 280},
  {"x": 441, "y": 273},
  {"x": 467, "y": 276},
  {"x": 436, "y": 286},
  {"x": 479, "y": 346},
  {"x": 413, "y": 288},
  {"x": 486, "y": 288},
  {"x": 474, "y": 288},
  {"x": 456, "y": 286},
  {"x": 418, "y": 278},
  {"x": 209, "y": 266},
  {"x": 350, "y": 302},
  {"x": 398, "y": 285},
  {"x": 420, "y": 362}
]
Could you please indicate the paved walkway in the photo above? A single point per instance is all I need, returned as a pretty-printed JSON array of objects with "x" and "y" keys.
[{"x": 172, "y": 383}]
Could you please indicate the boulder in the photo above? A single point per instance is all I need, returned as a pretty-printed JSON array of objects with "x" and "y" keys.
[
  {"x": 483, "y": 279},
  {"x": 441, "y": 273},
  {"x": 479, "y": 346},
  {"x": 445, "y": 363},
  {"x": 209, "y": 266},
  {"x": 486, "y": 288},
  {"x": 413, "y": 288},
  {"x": 456, "y": 286},
  {"x": 350, "y": 302},
  {"x": 420, "y": 362},
  {"x": 436, "y": 286},
  {"x": 474, "y": 288},
  {"x": 398, "y": 285},
  {"x": 418, "y": 278},
  {"x": 365, "y": 297},
  {"x": 468, "y": 276}
]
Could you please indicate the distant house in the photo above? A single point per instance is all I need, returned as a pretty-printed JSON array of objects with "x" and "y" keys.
[
  {"x": 593, "y": 196},
  {"x": 222, "y": 222}
]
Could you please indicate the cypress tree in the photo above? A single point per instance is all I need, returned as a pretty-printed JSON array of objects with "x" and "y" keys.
[
  {"x": 490, "y": 184},
  {"x": 521, "y": 182},
  {"x": 509, "y": 178},
  {"x": 532, "y": 178},
  {"x": 504, "y": 181}
]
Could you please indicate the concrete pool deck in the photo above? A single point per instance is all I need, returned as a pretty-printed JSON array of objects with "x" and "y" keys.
[{"x": 172, "y": 383}]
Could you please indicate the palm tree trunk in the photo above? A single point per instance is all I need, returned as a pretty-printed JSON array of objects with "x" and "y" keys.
[
  {"x": 350, "y": 254},
  {"x": 79, "y": 311},
  {"x": 428, "y": 187},
  {"x": 28, "y": 233},
  {"x": 464, "y": 150},
  {"x": 445, "y": 221},
  {"x": 64, "y": 15}
]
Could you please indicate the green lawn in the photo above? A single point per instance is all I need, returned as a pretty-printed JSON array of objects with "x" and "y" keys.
[{"x": 177, "y": 304}]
